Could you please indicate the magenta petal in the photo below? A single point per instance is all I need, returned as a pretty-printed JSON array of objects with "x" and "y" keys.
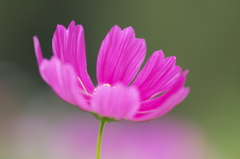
[
  {"x": 63, "y": 80},
  {"x": 159, "y": 106},
  {"x": 69, "y": 47},
  {"x": 172, "y": 101},
  {"x": 120, "y": 56},
  {"x": 116, "y": 101},
  {"x": 158, "y": 75},
  {"x": 38, "y": 50},
  {"x": 168, "y": 105}
]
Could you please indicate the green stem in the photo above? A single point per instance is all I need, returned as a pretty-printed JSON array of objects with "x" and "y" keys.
[{"x": 99, "y": 141}]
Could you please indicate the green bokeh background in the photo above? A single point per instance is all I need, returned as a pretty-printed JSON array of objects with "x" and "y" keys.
[{"x": 203, "y": 35}]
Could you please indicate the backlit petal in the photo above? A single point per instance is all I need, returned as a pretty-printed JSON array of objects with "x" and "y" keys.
[
  {"x": 118, "y": 101},
  {"x": 159, "y": 106},
  {"x": 120, "y": 56},
  {"x": 69, "y": 47},
  {"x": 157, "y": 76},
  {"x": 63, "y": 80}
]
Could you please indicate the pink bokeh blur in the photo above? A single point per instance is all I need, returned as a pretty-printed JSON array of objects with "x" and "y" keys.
[{"x": 74, "y": 136}]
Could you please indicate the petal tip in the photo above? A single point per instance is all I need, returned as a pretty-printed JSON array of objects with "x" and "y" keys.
[
  {"x": 37, "y": 48},
  {"x": 159, "y": 53},
  {"x": 72, "y": 22},
  {"x": 116, "y": 28},
  {"x": 185, "y": 72}
]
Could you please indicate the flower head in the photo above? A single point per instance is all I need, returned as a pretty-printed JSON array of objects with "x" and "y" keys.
[{"x": 121, "y": 93}]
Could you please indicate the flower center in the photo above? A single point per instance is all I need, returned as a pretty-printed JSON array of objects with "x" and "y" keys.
[
  {"x": 84, "y": 90},
  {"x": 104, "y": 85}
]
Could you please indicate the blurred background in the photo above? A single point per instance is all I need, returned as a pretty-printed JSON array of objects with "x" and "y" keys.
[{"x": 203, "y": 35}]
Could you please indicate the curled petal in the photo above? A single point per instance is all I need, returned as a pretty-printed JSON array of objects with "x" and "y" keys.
[
  {"x": 120, "y": 56},
  {"x": 159, "y": 106},
  {"x": 157, "y": 76},
  {"x": 69, "y": 48},
  {"x": 116, "y": 101},
  {"x": 38, "y": 50},
  {"x": 63, "y": 80}
]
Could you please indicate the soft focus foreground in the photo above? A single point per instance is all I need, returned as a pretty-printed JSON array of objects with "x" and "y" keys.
[
  {"x": 74, "y": 137},
  {"x": 57, "y": 133}
]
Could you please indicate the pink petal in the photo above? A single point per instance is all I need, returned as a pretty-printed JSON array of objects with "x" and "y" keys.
[
  {"x": 38, "y": 50},
  {"x": 69, "y": 47},
  {"x": 63, "y": 80},
  {"x": 116, "y": 101},
  {"x": 120, "y": 56},
  {"x": 159, "y": 106},
  {"x": 157, "y": 76}
]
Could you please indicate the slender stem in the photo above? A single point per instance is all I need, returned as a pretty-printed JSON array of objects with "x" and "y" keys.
[{"x": 99, "y": 141}]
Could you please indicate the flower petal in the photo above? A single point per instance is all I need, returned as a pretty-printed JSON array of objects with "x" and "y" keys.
[
  {"x": 159, "y": 106},
  {"x": 157, "y": 76},
  {"x": 38, "y": 50},
  {"x": 120, "y": 56},
  {"x": 116, "y": 101},
  {"x": 69, "y": 47},
  {"x": 63, "y": 80}
]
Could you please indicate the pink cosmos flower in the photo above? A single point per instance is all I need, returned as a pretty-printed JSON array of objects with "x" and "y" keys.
[{"x": 121, "y": 93}]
